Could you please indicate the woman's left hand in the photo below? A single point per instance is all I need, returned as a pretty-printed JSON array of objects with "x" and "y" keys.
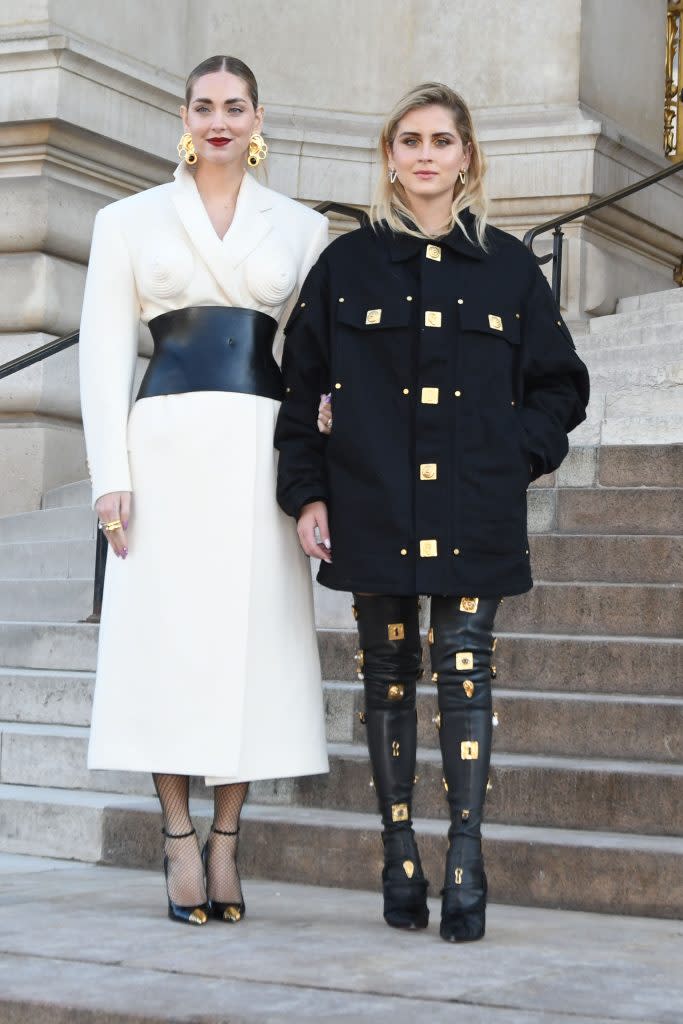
[{"x": 325, "y": 414}]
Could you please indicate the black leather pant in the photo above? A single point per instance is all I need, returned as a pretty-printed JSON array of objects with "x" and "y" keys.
[{"x": 461, "y": 645}]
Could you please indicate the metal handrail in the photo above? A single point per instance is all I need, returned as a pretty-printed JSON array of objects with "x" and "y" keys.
[
  {"x": 556, "y": 223},
  {"x": 346, "y": 211},
  {"x": 38, "y": 354}
]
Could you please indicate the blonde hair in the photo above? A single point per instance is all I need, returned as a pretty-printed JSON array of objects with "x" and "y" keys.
[{"x": 390, "y": 201}]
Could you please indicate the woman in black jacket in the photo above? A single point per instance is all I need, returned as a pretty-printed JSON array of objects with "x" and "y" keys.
[{"x": 454, "y": 383}]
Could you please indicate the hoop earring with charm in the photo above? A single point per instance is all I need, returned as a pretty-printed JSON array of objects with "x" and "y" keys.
[
  {"x": 186, "y": 150},
  {"x": 393, "y": 174},
  {"x": 463, "y": 177},
  {"x": 258, "y": 150}
]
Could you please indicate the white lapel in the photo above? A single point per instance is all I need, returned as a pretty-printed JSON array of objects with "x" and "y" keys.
[{"x": 249, "y": 227}]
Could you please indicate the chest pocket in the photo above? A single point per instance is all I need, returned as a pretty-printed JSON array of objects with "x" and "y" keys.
[
  {"x": 373, "y": 342},
  {"x": 489, "y": 350}
]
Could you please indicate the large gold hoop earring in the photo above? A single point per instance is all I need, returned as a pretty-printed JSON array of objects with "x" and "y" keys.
[
  {"x": 258, "y": 150},
  {"x": 186, "y": 150},
  {"x": 463, "y": 177}
]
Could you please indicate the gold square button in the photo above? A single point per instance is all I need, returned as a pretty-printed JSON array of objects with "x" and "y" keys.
[
  {"x": 434, "y": 252},
  {"x": 464, "y": 661},
  {"x": 433, "y": 318},
  {"x": 428, "y": 549},
  {"x": 399, "y": 812},
  {"x": 428, "y": 471},
  {"x": 430, "y": 396},
  {"x": 495, "y": 322},
  {"x": 373, "y": 316},
  {"x": 469, "y": 604},
  {"x": 396, "y": 631},
  {"x": 469, "y": 750}
]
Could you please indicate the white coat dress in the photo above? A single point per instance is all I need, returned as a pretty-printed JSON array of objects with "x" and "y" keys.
[{"x": 208, "y": 663}]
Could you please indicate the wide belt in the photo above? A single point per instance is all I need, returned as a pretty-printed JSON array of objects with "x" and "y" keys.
[{"x": 212, "y": 348}]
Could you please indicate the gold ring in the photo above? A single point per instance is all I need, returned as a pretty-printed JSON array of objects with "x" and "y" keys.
[{"x": 115, "y": 524}]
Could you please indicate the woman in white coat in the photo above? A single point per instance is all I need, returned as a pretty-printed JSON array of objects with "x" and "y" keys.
[{"x": 208, "y": 662}]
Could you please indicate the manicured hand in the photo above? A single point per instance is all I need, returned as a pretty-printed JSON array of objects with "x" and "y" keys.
[
  {"x": 315, "y": 515},
  {"x": 110, "y": 508}
]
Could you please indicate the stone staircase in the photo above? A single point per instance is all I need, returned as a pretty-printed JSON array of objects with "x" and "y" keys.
[
  {"x": 585, "y": 810},
  {"x": 635, "y": 358}
]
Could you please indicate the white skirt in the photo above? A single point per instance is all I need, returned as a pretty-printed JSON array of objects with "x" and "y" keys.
[{"x": 208, "y": 661}]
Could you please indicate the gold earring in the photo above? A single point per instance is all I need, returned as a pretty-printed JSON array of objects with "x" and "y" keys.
[
  {"x": 393, "y": 174},
  {"x": 258, "y": 150},
  {"x": 463, "y": 177},
  {"x": 186, "y": 150}
]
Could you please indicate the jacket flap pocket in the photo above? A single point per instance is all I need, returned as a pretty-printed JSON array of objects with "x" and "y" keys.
[
  {"x": 365, "y": 317},
  {"x": 500, "y": 323}
]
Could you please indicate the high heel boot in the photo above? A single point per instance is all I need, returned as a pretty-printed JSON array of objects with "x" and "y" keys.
[
  {"x": 461, "y": 659},
  {"x": 390, "y": 658},
  {"x": 193, "y": 914}
]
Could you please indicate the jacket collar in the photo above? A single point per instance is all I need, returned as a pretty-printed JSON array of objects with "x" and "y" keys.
[
  {"x": 404, "y": 247},
  {"x": 249, "y": 227}
]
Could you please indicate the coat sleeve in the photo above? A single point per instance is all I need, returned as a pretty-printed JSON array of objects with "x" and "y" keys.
[
  {"x": 107, "y": 353},
  {"x": 555, "y": 385},
  {"x": 306, "y": 375}
]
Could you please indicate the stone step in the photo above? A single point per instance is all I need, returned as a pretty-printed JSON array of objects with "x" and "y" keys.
[
  {"x": 654, "y": 465},
  {"x": 528, "y": 789},
  {"x": 639, "y": 426},
  {"x": 49, "y": 524},
  {"x": 535, "y": 722},
  {"x": 549, "y": 792},
  {"x": 69, "y": 559},
  {"x": 649, "y": 300},
  {"x": 68, "y": 495},
  {"x": 65, "y": 646},
  {"x": 608, "y": 558},
  {"x": 526, "y": 866},
  {"x": 650, "y": 318},
  {"x": 46, "y": 600},
  {"x": 637, "y": 510},
  {"x": 575, "y": 664},
  {"x": 609, "y": 608},
  {"x": 616, "y": 558},
  {"x": 589, "y": 608},
  {"x": 45, "y": 697}
]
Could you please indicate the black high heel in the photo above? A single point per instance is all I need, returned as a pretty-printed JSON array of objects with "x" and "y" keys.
[
  {"x": 404, "y": 884},
  {"x": 463, "y": 907},
  {"x": 231, "y": 913},
  {"x": 194, "y": 915}
]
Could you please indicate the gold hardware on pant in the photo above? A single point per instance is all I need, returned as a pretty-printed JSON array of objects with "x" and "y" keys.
[
  {"x": 468, "y": 687},
  {"x": 396, "y": 691},
  {"x": 395, "y": 748},
  {"x": 469, "y": 750},
  {"x": 409, "y": 868},
  {"x": 396, "y": 631},
  {"x": 458, "y": 876},
  {"x": 399, "y": 812},
  {"x": 469, "y": 604}
]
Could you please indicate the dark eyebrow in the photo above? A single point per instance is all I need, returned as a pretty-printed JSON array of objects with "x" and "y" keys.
[
  {"x": 235, "y": 99},
  {"x": 419, "y": 134}
]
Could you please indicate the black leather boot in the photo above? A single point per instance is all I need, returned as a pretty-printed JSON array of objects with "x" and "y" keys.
[
  {"x": 390, "y": 658},
  {"x": 462, "y": 642}
]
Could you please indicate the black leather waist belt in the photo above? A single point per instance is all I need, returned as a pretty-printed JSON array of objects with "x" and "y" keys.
[{"x": 212, "y": 348}]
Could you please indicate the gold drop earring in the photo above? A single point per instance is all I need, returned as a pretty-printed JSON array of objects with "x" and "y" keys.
[
  {"x": 186, "y": 150},
  {"x": 258, "y": 150},
  {"x": 463, "y": 177}
]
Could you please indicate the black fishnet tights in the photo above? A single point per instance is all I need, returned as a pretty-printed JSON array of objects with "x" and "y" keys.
[
  {"x": 185, "y": 870},
  {"x": 222, "y": 878}
]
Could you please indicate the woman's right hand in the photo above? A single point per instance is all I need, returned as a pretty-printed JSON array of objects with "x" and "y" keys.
[
  {"x": 111, "y": 508},
  {"x": 314, "y": 515}
]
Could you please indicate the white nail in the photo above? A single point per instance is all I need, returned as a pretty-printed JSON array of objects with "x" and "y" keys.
[{"x": 327, "y": 544}]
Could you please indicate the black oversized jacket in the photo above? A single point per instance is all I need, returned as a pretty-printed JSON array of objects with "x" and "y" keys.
[{"x": 454, "y": 383}]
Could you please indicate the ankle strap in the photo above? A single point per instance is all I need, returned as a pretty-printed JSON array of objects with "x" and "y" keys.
[
  {"x": 220, "y": 832},
  {"x": 184, "y": 835}
]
